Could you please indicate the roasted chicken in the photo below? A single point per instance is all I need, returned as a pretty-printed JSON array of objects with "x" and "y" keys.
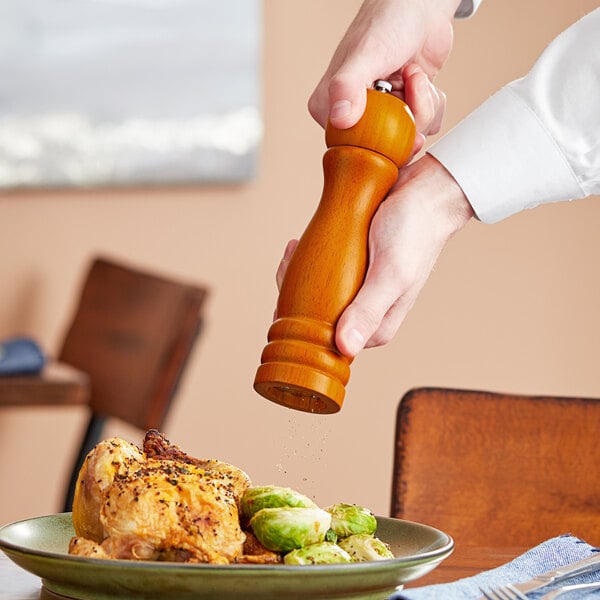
[{"x": 157, "y": 504}]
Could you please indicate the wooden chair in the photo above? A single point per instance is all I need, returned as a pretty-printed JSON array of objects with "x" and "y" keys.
[
  {"x": 494, "y": 469},
  {"x": 132, "y": 333}
]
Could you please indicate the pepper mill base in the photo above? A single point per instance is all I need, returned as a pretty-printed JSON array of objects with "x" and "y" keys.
[{"x": 318, "y": 393}]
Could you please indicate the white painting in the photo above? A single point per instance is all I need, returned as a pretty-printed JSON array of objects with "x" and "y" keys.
[{"x": 128, "y": 92}]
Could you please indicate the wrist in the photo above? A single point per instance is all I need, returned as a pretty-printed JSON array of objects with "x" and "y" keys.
[{"x": 430, "y": 184}]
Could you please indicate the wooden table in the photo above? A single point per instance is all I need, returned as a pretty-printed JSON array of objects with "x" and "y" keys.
[
  {"x": 57, "y": 385},
  {"x": 17, "y": 584},
  {"x": 466, "y": 562}
]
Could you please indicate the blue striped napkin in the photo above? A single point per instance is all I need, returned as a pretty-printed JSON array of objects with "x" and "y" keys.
[{"x": 549, "y": 555}]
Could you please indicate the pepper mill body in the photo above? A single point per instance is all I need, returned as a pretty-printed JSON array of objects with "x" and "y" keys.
[{"x": 301, "y": 367}]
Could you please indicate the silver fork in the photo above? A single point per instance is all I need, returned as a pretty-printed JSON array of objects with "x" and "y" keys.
[
  {"x": 503, "y": 592},
  {"x": 517, "y": 591},
  {"x": 570, "y": 588},
  {"x": 508, "y": 592}
]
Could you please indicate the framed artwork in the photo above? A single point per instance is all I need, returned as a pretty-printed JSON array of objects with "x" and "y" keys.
[{"x": 129, "y": 92}]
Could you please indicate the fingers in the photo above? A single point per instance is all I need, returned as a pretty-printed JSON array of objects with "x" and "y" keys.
[
  {"x": 283, "y": 265},
  {"x": 347, "y": 100},
  {"x": 318, "y": 103},
  {"x": 341, "y": 98},
  {"x": 377, "y": 311},
  {"x": 420, "y": 140},
  {"x": 392, "y": 321},
  {"x": 426, "y": 102},
  {"x": 384, "y": 37},
  {"x": 285, "y": 261}
]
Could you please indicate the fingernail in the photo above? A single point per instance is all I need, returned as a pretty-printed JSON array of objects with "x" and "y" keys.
[
  {"x": 340, "y": 110},
  {"x": 356, "y": 341}
]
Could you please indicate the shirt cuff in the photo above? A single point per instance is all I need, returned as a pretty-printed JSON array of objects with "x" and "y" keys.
[
  {"x": 466, "y": 8},
  {"x": 504, "y": 159}
]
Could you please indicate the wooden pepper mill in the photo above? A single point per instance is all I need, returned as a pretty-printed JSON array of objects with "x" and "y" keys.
[{"x": 301, "y": 366}]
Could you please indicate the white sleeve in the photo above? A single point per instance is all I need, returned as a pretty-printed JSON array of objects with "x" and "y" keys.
[
  {"x": 466, "y": 8},
  {"x": 537, "y": 140}
]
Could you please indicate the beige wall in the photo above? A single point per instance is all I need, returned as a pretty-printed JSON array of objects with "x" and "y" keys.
[{"x": 513, "y": 306}]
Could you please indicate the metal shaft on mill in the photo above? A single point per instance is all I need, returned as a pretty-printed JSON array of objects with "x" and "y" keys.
[{"x": 301, "y": 367}]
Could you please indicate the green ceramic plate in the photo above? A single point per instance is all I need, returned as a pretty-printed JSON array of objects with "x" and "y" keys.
[{"x": 40, "y": 546}]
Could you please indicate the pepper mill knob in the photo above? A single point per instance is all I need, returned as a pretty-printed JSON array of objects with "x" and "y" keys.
[{"x": 301, "y": 368}]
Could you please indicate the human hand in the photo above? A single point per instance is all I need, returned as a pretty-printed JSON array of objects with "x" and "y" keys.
[
  {"x": 384, "y": 37},
  {"x": 427, "y": 105},
  {"x": 422, "y": 211}
]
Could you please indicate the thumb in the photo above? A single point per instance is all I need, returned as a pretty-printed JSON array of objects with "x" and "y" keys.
[
  {"x": 347, "y": 98},
  {"x": 364, "y": 315},
  {"x": 340, "y": 98}
]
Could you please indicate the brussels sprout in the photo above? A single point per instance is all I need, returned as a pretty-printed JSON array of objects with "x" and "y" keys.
[
  {"x": 362, "y": 547},
  {"x": 331, "y": 536},
  {"x": 284, "y": 528},
  {"x": 317, "y": 554},
  {"x": 350, "y": 519},
  {"x": 268, "y": 496}
]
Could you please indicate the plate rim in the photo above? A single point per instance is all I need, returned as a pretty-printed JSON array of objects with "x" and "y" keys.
[
  {"x": 441, "y": 553},
  {"x": 81, "y": 577}
]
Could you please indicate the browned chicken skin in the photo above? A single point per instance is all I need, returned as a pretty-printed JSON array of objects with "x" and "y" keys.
[{"x": 157, "y": 504}]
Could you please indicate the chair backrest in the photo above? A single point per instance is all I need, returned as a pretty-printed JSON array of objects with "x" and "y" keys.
[
  {"x": 132, "y": 333},
  {"x": 494, "y": 469}
]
